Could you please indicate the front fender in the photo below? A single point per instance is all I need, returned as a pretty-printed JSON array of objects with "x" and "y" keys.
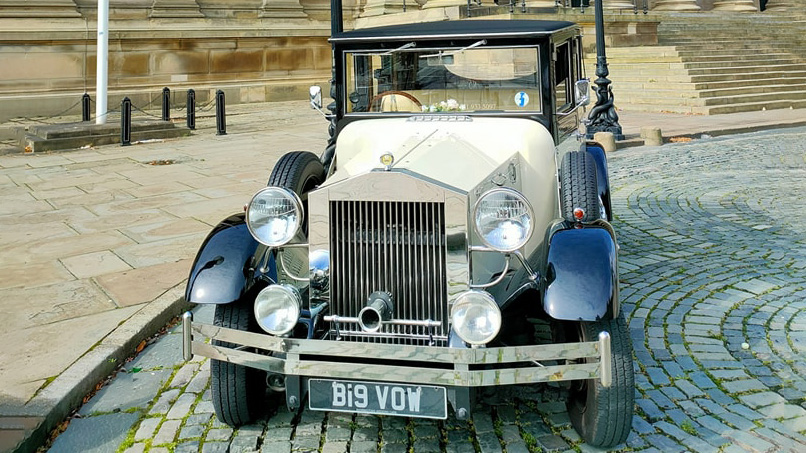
[
  {"x": 227, "y": 264},
  {"x": 582, "y": 275}
]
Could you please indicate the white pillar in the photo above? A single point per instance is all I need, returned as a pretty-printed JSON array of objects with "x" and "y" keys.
[{"x": 102, "y": 58}]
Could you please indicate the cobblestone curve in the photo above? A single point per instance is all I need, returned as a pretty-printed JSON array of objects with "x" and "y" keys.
[{"x": 713, "y": 279}]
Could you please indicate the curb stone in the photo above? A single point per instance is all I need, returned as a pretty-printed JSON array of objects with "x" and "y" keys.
[{"x": 55, "y": 402}]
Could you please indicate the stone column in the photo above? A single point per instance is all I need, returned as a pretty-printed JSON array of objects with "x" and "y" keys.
[
  {"x": 38, "y": 8},
  {"x": 280, "y": 9},
  {"x": 380, "y": 7},
  {"x": 676, "y": 5},
  {"x": 742, "y": 6},
  {"x": 175, "y": 8}
]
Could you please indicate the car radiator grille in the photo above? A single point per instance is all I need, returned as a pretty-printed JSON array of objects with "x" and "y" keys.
[{"x": 396, "y": 247}]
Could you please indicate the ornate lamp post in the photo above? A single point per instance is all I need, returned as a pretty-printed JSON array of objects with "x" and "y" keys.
[{"x": 603, "y": 116}]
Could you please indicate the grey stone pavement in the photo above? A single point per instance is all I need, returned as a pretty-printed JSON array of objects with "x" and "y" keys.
[{"x": 96, "y": 246}]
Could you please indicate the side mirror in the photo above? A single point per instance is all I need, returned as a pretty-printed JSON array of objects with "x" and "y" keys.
[
  {"x": 582, "y": 92},
  {"x": 316, "y": 97}
]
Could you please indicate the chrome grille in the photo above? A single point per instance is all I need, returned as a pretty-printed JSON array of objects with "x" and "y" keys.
[{"x": 397, "y": 247}]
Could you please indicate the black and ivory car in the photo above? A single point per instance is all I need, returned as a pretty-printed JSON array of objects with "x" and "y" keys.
[{"x": 455, "y": 209}]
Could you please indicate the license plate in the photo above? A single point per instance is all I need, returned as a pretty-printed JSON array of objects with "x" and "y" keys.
[{"x": 382, "y": 398}]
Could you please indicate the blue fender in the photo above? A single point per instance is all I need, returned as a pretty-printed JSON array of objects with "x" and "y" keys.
[
  {"x": 227, "y": 264},
  {"x": 602, "y": 179},
  {"x": 582, "y": 275}
]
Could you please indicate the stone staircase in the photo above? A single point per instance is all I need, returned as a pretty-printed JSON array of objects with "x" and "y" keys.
[{"x": 707, "y": 63}]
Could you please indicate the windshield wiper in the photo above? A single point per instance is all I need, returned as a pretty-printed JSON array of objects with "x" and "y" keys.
[
  {"x": 403, "y": 47},
  {"x": 442, "y": 54}
]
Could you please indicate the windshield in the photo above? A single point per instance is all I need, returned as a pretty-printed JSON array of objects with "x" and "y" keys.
[{"x": 472, "y": 79}]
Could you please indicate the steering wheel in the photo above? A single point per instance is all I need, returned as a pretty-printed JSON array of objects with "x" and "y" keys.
[{"x": 411, "y": 103}]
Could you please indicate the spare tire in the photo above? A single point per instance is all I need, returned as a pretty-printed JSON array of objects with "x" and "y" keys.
[{"x": 578, "y": 187}]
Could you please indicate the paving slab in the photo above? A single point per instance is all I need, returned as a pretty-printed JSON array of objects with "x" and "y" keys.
[{"x": 100, "y": 434}]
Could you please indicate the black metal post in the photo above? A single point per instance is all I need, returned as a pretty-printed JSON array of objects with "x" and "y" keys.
[
  {"x": 220, "y": 114},
  {"x": 603, "y": 116},
  {"x": 126, "y": 122},
  {"x": 166, "y": 104},
  {"x": 336, "y": 17},
  {"x": 85, "y": 107},
  {"x": 191, "y": 109}
]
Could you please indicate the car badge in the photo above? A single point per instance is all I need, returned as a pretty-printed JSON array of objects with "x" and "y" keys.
[{"x": 387, "y": 159}]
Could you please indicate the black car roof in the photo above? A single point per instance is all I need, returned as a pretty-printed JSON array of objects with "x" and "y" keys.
[{"x": 455, "y": 29}]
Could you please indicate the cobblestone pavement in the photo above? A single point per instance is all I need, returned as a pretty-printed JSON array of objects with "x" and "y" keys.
[{"x": 713, "y": 271}]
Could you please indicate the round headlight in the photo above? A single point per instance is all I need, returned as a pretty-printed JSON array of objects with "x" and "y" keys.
[
  {"x": 503, "y": 219},
  {"x": 277, "y": 308},
  {"x": 476, "y": 317},
  {"x": 274, "y": 215}
]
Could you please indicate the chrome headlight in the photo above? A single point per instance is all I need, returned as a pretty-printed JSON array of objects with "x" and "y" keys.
[
  {"x": 503, "y": 219},
  {"x": 277, "y": 308},
  {"x": 274, "y": 215},
  {"x": 476, "y": 317}
]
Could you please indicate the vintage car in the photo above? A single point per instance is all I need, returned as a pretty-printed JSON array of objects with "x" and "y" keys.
[{"x": 455, "y": 210}]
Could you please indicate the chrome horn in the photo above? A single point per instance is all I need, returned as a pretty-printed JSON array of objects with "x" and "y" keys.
[{"x": 379, "y": 308}]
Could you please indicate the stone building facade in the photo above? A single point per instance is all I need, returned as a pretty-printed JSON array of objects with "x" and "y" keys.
[{"x": 254, "y": 50}]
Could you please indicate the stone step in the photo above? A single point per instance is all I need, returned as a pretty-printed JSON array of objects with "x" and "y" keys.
[
  {"x": 53, "y": 137},
  {"x": 714, "y": 62},
  {"x": 759, "y": 97},
  {"x": 705, "y": 42},
  {"x": 798, "y": 90},
  {"x": 745, "y": 76},
  {"x": 755, "y": 106},
  {"x": 688, "y": 56},
  {"x": 710, "y": 89},
  {"x": 737, "y": 48},
  {"x": 748, "y": 69},
  {"x": 740, "y": 65},
  {"x": 670, "y": 108},
  {"x": 780, "y": 81},
  {"x": 661, "y": 77},
  {"x": 687, "y": 91},
  {"x": 711, "y": 97},
  {"x": 676, "y": 98}
]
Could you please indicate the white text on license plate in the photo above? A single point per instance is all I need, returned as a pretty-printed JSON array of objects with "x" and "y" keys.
[{"x": 378, "y": 398}]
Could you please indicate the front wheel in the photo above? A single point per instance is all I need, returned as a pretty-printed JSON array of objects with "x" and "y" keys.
[
  {"x": 238, "y": 392},
  {"x": 603, "y": 415}
]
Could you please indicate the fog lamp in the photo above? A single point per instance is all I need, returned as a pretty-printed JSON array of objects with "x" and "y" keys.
[
  {"x": 277, "y": 308},
  {"x": 476, "y": 317},
  {"x": 274, "y": 215},
  {"x": 503, "y": 219}
]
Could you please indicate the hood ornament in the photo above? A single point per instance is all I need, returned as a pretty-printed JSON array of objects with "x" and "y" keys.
[{"x": 387, "y": 159}]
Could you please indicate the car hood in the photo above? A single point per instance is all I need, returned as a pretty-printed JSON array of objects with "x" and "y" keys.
[{"x": 458, "y": 151}]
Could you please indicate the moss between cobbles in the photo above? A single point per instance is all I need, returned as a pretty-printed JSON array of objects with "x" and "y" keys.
[
  {"x": 171, "y": 446},
  {"x": 688, "y": 427}
]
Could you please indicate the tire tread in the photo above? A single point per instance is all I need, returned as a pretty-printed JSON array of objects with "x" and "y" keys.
[
  {"x": 578, "y": 186},
  {"x": 232, "y": 386},
  {"x": 611, "y": 422}
]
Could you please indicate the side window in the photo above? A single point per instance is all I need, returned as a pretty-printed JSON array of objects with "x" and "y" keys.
[{"x": 563, "y": 76}]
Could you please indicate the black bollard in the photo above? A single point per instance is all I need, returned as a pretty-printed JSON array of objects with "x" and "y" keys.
[
  {"x": 220, "y": 114},
  {"x": 191, "y": 107},
  {"x": 85, "y": 107},
  {"x": 126, "y": 122},
  {"x": 166, "y": 104}
]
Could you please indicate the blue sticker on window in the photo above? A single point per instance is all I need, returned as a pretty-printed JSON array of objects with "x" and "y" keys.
[{"x": 521, "y": 99}]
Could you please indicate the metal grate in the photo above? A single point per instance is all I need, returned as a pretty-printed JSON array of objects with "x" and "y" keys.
[{"x": 397, "y": 247}]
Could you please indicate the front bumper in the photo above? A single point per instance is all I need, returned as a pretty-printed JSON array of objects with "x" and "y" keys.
[{"x": 450, "y": 367}]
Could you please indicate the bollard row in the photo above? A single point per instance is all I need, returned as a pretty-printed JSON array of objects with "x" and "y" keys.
[{"x": 126, "y": 112}]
